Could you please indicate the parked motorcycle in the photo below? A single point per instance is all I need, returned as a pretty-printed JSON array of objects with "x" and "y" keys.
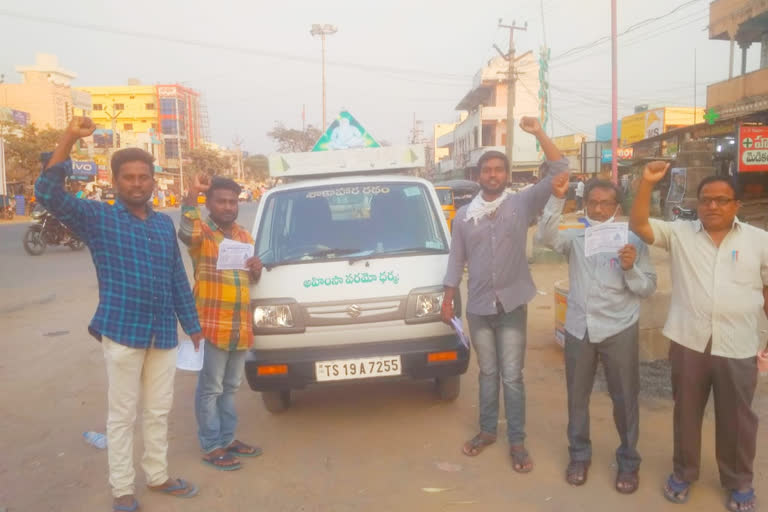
[
  {"x": 678, "y": 212},
  {"x": 7, "y": 210},
  {"x": 48, "y": 230}
]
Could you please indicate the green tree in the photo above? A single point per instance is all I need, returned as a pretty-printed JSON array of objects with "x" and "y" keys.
[
  {"x": 207, "y": 161},
  {"x": 290, "y": 140},
  {"x": 23, "y": 145},
  {"x": 256, "y": 167}
]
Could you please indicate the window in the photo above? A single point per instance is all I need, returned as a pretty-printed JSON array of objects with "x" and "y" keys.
[
  {"x": 132, "y": 97},
  {"x": 98, "y": 106},
  {"x": 342, "y": 221},
  {"x": 169, "y": 126},
  {"x": 154, "y": 126},
  {"x": 119, "y": 106},
  {"x": 171, "y": 148},
  {"x": 168, "y": 106},
  {"x": 128, "y": 127},
  {"x": 149, "y": 106}
]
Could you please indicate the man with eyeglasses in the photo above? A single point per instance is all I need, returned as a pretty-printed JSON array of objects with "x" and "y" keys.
[
  {"x": 719, "y": 269},
  {"x": 601, "y": 324}
]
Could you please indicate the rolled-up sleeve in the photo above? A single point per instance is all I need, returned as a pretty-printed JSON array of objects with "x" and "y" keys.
[
  {"x": 548, "y": 232},
  {"x": 662, "y": 233},
  {"x": 457, "y": 257}
]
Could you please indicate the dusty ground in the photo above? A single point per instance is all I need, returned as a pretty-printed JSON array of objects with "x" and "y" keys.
[{"x": 378, "y": 446}]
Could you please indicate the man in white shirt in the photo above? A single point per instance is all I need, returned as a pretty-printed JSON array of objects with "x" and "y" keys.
[
  {"x": 580, "y": 194},
  {"x": 719, "y": 269}
]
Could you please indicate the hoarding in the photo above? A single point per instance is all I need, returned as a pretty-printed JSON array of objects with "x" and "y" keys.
[
  {"x": 641, "y": 126},
  {"x": 82, "y": 100},
  {"x": 81, "y": 168},
  {"x": 753, "y": 148}
]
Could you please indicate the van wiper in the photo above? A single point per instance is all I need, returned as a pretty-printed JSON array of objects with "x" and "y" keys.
[
  {"x": 332, "y": 252},
  {"x": 419, "y": 249}
]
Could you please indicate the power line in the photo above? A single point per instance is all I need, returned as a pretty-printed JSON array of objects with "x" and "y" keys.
[{"x": 232, "y": 48}]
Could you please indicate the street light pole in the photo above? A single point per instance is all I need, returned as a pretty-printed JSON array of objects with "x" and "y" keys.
[
  {"x": 322, "y": 31},
  {"x": 178, "y": 146},
  {"x": 614, "y": 98}
]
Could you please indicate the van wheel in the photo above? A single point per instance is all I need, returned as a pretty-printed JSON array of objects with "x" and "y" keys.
[
  {"x": 276, "y": 401},
  {"x": 448, "y": 388}
]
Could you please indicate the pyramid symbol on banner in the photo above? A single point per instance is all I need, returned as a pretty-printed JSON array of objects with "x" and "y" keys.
[{"x": 345, "y": 132}]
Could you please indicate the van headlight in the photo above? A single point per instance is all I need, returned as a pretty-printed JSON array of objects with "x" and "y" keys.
[
  {"x": 273, "y": 317},
  {"x": 424, "y": 305}
]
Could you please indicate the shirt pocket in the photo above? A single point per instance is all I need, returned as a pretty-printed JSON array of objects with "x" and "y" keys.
[
  {"x": 609, "y": 272},
  {"x": 743, "y": 268}
]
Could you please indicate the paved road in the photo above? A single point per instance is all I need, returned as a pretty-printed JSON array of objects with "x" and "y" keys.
[{"x": 26, "y": 280}]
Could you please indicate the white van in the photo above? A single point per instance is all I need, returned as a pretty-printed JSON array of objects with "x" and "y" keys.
[{"x": 352, "y": 289}]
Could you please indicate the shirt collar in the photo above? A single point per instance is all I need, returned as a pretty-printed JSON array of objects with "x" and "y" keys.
[
  {"x": 737, "y": 225},
  {"x": 215, "y": 227},
  {"x": 121, "y": 208}
]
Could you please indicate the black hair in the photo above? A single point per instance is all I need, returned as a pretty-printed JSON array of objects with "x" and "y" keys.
[
  {"x": 488, "y": 155},
  {"x": 126, "y": 155},
  {"x": 720, "y": 179},
  {"x": 604, "y": 184},
  {"x": 219, "y": 183}
]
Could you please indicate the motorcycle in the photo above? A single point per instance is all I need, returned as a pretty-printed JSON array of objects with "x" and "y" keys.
[
  {"x": 8, "y": 210},
  {"x": 48, "y": 230},
  {"x": 678, "y": 212}
]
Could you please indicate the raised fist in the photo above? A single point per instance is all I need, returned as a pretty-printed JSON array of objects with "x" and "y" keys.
[
  {"x": 655, "y": 171},
  {"x": 80, "y": 127},
  {"x": 530, "y": 125}
]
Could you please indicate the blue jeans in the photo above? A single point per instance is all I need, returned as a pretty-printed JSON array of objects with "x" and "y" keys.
[
  {"x": 215, "y": 396},
  {"x": 499, "y": 341}
]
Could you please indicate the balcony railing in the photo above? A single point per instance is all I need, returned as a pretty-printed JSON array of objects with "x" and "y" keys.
[{"x": 738, "y": 93}]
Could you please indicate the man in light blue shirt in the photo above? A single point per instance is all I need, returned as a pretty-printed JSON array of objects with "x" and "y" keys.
[{"x": 601, "y": 323}]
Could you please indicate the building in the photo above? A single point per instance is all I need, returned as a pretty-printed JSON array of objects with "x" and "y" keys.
[
  {"x": 441, "y": 129},
  {"x": 484, "y": 127},
  {"x": 180, "y": 123},
  {"x": 652, "y": 122},
  {"x": 45, "y": 94},
  {"x": 570, "y": 147}
]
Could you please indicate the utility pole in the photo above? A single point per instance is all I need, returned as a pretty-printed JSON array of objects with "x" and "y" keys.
[
  {"x": 695, "y": 73},
  {"x": 614, "y": 97},
  {"x": 178, "y": 145},
  {"x": 322, "y": 31},
  {"x": 511, "y": 80},
  {"x": 238, "y": 142}
]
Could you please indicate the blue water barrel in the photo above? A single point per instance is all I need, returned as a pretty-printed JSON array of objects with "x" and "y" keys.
[{"x": 20, "y": 205}]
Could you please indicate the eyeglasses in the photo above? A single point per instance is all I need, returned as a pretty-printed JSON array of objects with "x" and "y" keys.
[
  {"x": 602, "y": 204},
  {"x": 719, "y": 201}
]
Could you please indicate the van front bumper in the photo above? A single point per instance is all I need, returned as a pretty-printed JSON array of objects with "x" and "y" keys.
[{"x": 300, "y": 362}]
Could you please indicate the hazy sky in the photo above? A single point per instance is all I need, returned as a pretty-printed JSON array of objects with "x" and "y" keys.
[{"x": 256, "y": 62}]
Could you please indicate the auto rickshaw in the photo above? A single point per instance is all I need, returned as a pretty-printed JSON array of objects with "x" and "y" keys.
[{"x": 454, "y": 194}]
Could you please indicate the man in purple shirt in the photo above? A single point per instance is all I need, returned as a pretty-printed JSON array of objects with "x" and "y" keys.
[{"x": 490, "y": 236}]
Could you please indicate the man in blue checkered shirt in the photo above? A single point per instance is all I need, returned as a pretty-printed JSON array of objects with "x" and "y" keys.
[{"x": 143, "y": 288}]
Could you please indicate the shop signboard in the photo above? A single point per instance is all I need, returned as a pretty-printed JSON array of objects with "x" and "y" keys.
[{"x": 753, "y": 148}]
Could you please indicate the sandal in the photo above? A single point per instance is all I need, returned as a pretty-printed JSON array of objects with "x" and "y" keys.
[
  {"x": 676, "y": 492},
  {"x": 477, "y": 444},
  {"x": 521, "y": 459},
  {"x": 627, "y": 482},
  {"x": 577, "y": 471},
  {"x": 739, "y": 499},
  {"x": 243, "y": 450},
  {"x": 224, "y": 462},
  {"x": 126, "y": 508},
  {"x": 182, "y": 489}
]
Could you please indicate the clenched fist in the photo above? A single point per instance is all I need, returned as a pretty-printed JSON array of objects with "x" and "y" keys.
[
  {"x": 655, "y": 171},
  {"x": 530, "y": 125},
  {"x": 560, "y": 185},
  {"x": 80, "y": 127}
]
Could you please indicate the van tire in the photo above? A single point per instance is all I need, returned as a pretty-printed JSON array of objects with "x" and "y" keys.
[
  {"x": 448, "y": 388},
  {"x": 276, "y": 401}
]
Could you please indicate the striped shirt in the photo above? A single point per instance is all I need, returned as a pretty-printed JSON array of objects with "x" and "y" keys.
[
  {"x": 143, "y": 286},
  {"x": 222, "y": 296}
]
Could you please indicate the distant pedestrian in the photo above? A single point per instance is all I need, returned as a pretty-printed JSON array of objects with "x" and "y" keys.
[
  {"x": 719, "y": 291},
  {"x": 143, "y": 289},
  {"x": 489, "y": 235},
  {"x": 224, "y": 306},
  {"x": 580, "y": 194},
  {"x": 601, "y": 325}
]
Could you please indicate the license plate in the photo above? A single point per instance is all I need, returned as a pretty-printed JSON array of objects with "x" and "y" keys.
[{"x": 362, "y": 368}]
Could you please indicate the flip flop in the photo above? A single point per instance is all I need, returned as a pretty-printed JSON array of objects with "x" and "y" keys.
[
  {"x": 181, "y": 485},
  {"x": 477, "y": 444},
  {"x": 520, "y": 457},
  {"x": 126, "y": 508},
  {"x": 741, "y": 498},
  {"x": 674, "y": 490},
  {"x": 627, "y": 477},
  {"x": 241, "y": 449},
  {"x": 576, "y": 469},
  {"x": 226, "y": 457}
]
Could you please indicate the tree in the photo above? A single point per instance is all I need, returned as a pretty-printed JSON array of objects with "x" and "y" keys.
[
  {"x": 290, "y": 140},
  {"x": 256, "y": 167},
  {"x": 207, "y": 161},
  {"x": 23, "y": 145}
]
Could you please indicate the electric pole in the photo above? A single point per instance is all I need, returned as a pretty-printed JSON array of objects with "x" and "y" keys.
[
  {"x": 238, "y": 142},
  {"x": 511, "y": 80},
  {"x": 322, "y": 31}
]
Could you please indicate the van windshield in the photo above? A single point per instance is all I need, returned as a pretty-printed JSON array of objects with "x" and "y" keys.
[
  {"x": 349, "y": 221},
  {"x": 445, "y": 195}
]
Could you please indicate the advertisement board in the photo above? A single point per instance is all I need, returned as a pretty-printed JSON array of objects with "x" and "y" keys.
[
  {"x": 753, "y": 148},
  {"x": 81, "y": 168},
  {"x": 643, "y": 125}
]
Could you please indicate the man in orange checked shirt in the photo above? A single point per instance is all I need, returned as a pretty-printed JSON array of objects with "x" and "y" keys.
[{"x": 223, "y": 305}]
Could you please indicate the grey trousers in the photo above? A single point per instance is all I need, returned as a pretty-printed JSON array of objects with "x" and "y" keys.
[{"x": 620, "y": 358}]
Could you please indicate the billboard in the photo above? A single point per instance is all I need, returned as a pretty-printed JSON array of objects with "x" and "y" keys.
[
  {"x": 753, "y": 148},
  {"x": 641, "y": 126},
  {"x": 81, "y": 168},
  {"x": 81, "y": 100},
  {"x": 345, "y": 132}
]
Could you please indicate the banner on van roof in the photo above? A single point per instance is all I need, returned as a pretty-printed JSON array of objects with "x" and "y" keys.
[
  {"x": 345, "y": 132},
  {"x": 284, "y": 165}
]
